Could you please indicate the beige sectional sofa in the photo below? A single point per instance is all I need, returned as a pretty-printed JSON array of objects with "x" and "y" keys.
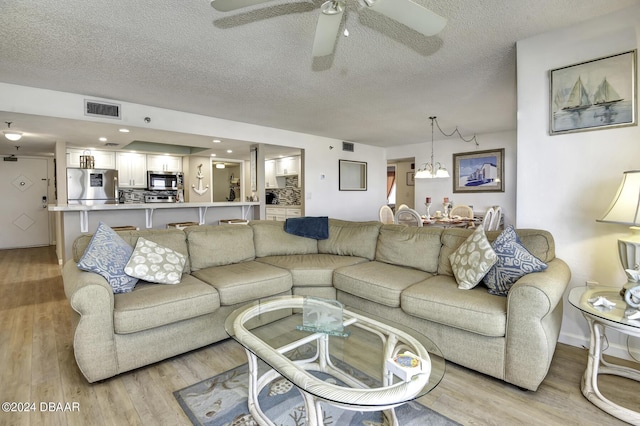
[{"x": 400, "y": 273}]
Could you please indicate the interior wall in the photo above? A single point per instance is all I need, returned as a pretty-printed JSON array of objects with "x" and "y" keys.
[
  {"x": 567, "y": 181},
  {"x": 438, "y": 189},
  {"x": 322, "y": 196}
]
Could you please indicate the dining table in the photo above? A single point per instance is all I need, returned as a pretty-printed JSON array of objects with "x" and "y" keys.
[{"x": 455, "y": 222}]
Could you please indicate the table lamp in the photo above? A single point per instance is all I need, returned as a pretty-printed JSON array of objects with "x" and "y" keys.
[{"x": 625, "y": 210}]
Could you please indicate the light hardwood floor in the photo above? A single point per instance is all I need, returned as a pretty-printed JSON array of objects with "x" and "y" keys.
[{"x": 37, "y": 365}]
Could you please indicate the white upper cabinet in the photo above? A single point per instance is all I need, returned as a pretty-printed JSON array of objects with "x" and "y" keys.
[
  {"x": 132, "y": 170},
  {"x": 164, "y": 163},
  {"x": 288, "y": 166},
  {"x": 103, "y": 159},
  {"x": 270, "y": 174}
]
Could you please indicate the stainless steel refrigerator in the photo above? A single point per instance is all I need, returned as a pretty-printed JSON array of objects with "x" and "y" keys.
[{"x": 92, "y": 186}]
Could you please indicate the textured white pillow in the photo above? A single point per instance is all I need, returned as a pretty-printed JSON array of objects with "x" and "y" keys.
[
  {"x": 473, "y": 259},
  {"x": 154, "y": 263}
]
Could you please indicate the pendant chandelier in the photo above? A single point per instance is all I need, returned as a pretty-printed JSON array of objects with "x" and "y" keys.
[{"x": 434, "y": 169}]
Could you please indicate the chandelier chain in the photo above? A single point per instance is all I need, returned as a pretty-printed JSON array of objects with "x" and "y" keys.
[{"x": 472, "y": 139}]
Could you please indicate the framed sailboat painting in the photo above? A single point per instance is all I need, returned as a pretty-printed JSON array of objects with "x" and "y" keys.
[{"x": 592, "y": 95}]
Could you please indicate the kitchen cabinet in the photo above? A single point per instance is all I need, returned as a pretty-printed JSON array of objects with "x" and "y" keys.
[
  {"x": 288, "y": 166},
  {"x": 164, "y": 163},
  {"x": 274, "y": 213},
  {"x": 103, "y": 159},
  {"x": 282, "y": 213},
  {"x": 270, "y": 174},
  {"x": 132, "y": 170}
]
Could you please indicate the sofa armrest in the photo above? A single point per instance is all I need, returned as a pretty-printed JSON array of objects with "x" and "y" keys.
[
  {"x": 534, "y": 317},
  {"x": 91, "y": 296}
]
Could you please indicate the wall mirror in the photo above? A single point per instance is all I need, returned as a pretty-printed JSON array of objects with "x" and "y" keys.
[
  {"x": 352, "y": 175},
  {"x": 227, "y": 180}
]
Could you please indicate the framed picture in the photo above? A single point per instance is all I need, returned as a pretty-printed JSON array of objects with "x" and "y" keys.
[
  {"x": 352, "y": 175},
  {"x": 411, "y": 178},
  {"x": 593, "y": 95},
  {"x": 479, "y": 171}
]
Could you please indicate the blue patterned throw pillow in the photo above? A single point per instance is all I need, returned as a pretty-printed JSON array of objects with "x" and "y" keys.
[
  {"x": 514, "y": 262},
  {"x": 107, "y": 254}
]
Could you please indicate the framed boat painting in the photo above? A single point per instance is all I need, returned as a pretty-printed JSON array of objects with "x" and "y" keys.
[
  {"x": 479, "y": 171},
  {"x": 592, "y": 95}
]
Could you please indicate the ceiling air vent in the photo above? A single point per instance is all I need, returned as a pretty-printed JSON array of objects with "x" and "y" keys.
[
  {"x": 101, "y": 109},
  {"x": 347, "y": 146}
]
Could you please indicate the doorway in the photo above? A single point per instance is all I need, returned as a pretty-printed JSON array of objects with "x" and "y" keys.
[
  {"x": 23, "y": 211},
  {"x": 400, "y": 183}
]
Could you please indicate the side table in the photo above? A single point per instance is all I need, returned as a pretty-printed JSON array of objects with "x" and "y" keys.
[{"x": 598, "y": 318}]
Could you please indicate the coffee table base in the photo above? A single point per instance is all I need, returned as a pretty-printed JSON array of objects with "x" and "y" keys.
[
  {"x": 597, "y": 365},
  {"x": 320, "y": 362}
]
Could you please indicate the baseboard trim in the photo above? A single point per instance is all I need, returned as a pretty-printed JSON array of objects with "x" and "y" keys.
[{"x": 615, "y": 349}]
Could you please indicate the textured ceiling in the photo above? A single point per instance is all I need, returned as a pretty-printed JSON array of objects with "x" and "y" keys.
[{"x": 254, "y": 65}]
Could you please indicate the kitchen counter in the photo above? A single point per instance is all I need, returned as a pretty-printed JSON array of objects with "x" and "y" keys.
[{"x": 75, "y": 220}]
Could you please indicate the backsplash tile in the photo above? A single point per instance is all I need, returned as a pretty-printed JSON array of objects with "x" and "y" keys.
[{"x": 291, "y": 194}]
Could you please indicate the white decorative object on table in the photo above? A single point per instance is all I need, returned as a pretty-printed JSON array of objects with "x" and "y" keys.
[{"x": 601, "y": 301}]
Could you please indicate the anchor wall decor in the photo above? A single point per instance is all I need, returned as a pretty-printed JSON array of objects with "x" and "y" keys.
[{"x": 200, "y": 190}]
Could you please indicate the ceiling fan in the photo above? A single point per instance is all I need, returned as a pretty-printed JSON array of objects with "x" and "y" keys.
[{"x": 405, "y": 12}]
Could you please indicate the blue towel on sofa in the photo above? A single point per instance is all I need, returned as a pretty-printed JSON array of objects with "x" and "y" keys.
[{"x": 310, "y": 227}]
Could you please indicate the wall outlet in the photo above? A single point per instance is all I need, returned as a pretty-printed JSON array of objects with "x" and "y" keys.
[{"x": 590, "y": 283}]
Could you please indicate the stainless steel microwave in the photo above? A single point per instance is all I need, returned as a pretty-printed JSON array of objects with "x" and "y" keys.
[{"x": 164, "y": 181}]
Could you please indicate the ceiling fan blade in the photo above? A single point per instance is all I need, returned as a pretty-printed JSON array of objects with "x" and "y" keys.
[
  {"x": 326, "y": 32},
  {"x": 228, "y": 5},
  {"x": 412, "y": 15}
]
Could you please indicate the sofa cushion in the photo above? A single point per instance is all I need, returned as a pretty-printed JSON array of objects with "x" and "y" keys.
[
  {"x": 152, "y": 305},
  {"x": 107, "y": 254},
  {"x": 270, "y": 239},
  {"x": 312, "y": 269},
  {"x": 351, "y": 239},
  {"x": 472, "y": 260},
  {"x": 219, "y": 245},
  {"x": 155, "y": 263},
  {"x": 438, "y": 299},
  {"x": 377, "y": 281},
  {"x": 174, "y": 239},
  {"x": 246, "y": 281},
  {"x": 514, "y": 262},
  {"x": 410, "y": 246}
]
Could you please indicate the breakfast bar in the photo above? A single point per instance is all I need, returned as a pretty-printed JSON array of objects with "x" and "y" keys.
[{"x": 75, "y": 220}]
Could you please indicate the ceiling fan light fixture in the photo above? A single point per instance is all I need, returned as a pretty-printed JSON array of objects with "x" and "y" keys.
[{"x": 332, "y": 7}]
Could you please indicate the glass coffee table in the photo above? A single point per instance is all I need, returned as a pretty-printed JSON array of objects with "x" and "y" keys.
[
  {"x": 370, "y": 345},
  {"x": 593, "y": 301}
]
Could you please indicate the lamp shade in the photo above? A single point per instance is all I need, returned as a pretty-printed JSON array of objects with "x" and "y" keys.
[{"x": 625, "y": 206}]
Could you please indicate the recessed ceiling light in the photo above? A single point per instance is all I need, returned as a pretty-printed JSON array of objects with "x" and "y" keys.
[
  {"x": 213, "y": 155},
  {"x": 217, "y": 141},
  {"x": 103, "y": 139},
  {"x": 124, "y": 130},
  {"x": 229, "y": 151}
]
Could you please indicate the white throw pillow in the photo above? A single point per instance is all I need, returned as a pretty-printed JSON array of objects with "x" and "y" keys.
[
  {"x": 154, "y": 263},
  {"x": 473, "y": 259}
]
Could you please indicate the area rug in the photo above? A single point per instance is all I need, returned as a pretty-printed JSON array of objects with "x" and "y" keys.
[{"x": 222, "y": 401}]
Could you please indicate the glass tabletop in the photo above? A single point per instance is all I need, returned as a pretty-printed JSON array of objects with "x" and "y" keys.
[
  {"x": 584, "y": 298},
  {"x": 361, "y": 353}
]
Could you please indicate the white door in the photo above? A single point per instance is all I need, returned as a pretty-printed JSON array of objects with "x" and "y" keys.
[{"x": 23, "y": 209}]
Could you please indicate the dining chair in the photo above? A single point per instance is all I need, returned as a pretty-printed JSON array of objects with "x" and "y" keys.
[
  {"x": 408, "y": 217},
  {"x": 386, "y": 214},
  {"x": 461, "y": 210},
  {"x": 488, "y": 217},
  {"x": 497, "y": 218},
  {"x": 402, "y": 207}
]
